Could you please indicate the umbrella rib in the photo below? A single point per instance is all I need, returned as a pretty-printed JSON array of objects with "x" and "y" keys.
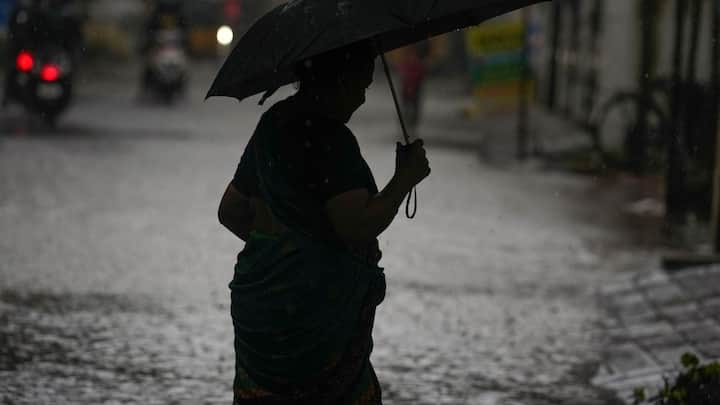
[
  {"x": 401, "y": 19},
  {"x": 315, "y": 39},
  {"x": 434, "y": 4}
]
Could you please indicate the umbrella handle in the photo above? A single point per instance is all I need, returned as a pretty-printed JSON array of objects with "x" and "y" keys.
[
  {"x": 404, "y": 131},
  {"x": 407, "y": 204}
]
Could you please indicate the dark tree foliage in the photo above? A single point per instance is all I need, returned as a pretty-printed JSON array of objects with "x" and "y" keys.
[{"x": 696, "y": 385}]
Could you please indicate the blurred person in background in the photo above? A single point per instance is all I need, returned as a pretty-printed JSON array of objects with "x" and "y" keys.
[
  {"x": 67, "y": 18},
  {"x": 37, "y": 22},
  {"x": 233, "y": 12},
  {"x": 412, "y": 68},
  {"x": 164, "y": 47},
  {"x": 20, "y": 35},
  {"x": 164, "y": 15}
]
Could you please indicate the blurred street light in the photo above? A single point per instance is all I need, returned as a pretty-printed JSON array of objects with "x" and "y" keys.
[{"x": 224, "y": 35}]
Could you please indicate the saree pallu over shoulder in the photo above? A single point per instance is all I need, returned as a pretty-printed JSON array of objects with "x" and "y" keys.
[{"x": 303, "y": 315}]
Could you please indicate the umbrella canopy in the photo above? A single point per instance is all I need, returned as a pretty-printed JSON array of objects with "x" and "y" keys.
[{"x": 264, "y": 57}]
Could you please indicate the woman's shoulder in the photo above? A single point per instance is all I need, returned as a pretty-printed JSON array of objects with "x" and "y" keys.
[
  {"x": 293, "y": 129},
  {"x": 295, "y": 113},
  {"x": 317, "y": 125}
]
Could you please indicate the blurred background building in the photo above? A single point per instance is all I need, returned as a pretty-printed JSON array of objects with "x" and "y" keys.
[
  {"x": 113, "y": 27},
  {"x": 640, "y": 78}
]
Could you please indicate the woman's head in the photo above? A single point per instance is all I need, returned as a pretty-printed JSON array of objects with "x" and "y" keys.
[{"x": 342, "y": 74}]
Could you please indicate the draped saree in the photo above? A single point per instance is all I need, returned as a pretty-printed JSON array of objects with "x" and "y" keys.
[{"x": 303, "y": 303}]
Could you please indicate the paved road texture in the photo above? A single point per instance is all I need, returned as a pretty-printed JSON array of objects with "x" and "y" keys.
[
  {"x": 114, "y": 270},
  {"x": 656, "y": 317}
]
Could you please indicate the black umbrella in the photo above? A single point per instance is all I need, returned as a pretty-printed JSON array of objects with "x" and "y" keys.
[{"x": 264, "y": 58}]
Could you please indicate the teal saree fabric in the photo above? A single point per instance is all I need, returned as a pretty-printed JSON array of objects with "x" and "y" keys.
[{"x": 303, "y": 304}]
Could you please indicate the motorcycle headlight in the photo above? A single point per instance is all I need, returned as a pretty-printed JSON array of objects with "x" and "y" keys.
[{"x": 225, "y": 35}]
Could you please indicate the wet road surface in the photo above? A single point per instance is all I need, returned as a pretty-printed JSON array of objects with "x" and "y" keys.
[{"x": 114, "y": 271}]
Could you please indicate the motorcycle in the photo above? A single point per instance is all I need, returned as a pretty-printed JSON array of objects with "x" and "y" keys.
[
  {"x": 167, "y": 65},
  {"x": 43, "y": 81}
]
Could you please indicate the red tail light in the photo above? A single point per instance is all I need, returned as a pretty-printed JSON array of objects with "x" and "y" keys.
[
  {"x": 24, "y": 61},
  {"x": 50, "y": 73}
]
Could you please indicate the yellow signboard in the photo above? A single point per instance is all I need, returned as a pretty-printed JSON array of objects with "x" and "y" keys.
[
  {"x": 496, "y": 51},
  {"x": 496, "y": 36}
]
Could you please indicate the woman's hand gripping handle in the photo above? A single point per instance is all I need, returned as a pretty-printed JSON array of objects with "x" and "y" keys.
[{"x": 411, "y": 167}]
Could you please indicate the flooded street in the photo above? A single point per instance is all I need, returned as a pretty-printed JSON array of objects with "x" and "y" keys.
[{"x": 114, "y": 269}]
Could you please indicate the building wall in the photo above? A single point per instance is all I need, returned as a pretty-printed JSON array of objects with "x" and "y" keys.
[
  {"x": 617, "y": 59},
  {"x": 665, "y": 40},
  {"x": 617, "y": 62},
  {"x": 113, "y": 27}
]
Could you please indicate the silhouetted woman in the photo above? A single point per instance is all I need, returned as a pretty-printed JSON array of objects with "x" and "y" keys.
[{"x": 305, "y": 202}]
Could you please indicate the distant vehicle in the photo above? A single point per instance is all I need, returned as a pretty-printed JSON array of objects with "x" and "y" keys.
[
  {"x": 43, "y": 81},
  {"x": 42, "y": 59},
  {"x": 166, "y": 71}
]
